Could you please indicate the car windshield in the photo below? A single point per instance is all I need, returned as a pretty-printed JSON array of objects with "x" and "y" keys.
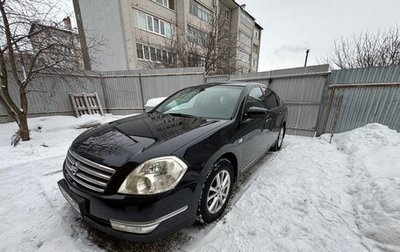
[{"x": 217, "y": 102}]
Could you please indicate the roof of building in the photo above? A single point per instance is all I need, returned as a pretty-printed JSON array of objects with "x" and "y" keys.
[
  {"x": 259, "y": 26},
  {"x": 248, "y": 13},
  {"x": 45, "y": 27}
]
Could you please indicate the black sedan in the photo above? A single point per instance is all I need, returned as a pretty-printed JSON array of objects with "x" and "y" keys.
[{"x": 146, "y": 176}]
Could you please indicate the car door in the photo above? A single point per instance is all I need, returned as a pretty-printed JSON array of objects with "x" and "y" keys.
[
  {"x": 252, "y": 129},
  {"x": 274, "y": 119}
]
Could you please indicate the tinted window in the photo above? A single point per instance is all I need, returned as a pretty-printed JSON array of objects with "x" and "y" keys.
[
  {"x": 255, "y": 98},
  {"x": 278, "y": 100},
  {"x": 271, "y": 100}
]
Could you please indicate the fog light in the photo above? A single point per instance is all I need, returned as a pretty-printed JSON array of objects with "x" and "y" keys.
[{"x": 133, "y": 228}]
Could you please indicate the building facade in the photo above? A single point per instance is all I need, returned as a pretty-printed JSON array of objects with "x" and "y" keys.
[
  {"x": 54, "y": 45},
  {"x": 138, "y": 33}
]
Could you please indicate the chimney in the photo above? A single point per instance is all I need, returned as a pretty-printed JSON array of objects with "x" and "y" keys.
[
  {"x": 67, "y": 23},
  {"x": 243, "y": 6}
]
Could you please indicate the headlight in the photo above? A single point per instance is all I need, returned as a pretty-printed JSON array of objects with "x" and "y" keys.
[{"x": 154, "y": 176}]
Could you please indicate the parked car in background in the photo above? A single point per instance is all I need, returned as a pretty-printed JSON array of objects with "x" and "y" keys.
[
  {"x": 146, "y": 176},
  {"x": 153, "y": 102}
]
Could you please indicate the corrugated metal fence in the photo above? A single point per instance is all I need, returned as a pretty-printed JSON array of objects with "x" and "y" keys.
[
  {"x": 321, "y": 101},
  {"x": 125, "y": 92},
  {"x": 361, "y": 96},
  {"x": 49, "y": 94},
  {"x": 318, "y": 100},
  {"x": 120, "y": 92},
  {"x": 302, "y": 89}
]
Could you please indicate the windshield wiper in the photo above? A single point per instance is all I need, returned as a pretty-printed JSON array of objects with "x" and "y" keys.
[{"x": 180, "y": 114}]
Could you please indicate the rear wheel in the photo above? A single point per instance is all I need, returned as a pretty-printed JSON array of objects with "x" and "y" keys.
[
  {"x": 216, "y": 191},
  {"x": 279, "y": 141}
]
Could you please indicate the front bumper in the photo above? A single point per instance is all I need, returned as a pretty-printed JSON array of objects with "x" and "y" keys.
[{"x": 141, "y": 220}]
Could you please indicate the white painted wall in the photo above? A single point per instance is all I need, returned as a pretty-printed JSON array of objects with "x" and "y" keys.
[{"x": 103, "y": 18}]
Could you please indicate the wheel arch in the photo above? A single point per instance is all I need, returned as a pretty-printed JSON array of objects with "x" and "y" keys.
[{"x": 233, "y": 159}]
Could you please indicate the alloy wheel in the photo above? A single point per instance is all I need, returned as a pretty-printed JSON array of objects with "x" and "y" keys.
[{"x": 218, "y": 191}]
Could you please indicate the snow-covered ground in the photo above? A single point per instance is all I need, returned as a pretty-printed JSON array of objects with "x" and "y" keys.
[{"x": 310, "y": 196}]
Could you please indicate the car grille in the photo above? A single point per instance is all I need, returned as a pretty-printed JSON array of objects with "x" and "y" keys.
[{"x": 87, "y": 173}]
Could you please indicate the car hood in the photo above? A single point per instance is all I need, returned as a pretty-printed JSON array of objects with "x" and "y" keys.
[{"x": 141, "y": 137}]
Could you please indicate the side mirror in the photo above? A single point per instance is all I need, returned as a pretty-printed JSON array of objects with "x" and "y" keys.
[{"x": 256, "y": 112}]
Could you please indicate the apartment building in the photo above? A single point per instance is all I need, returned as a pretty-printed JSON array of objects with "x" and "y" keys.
[
  {"x": 138, "y": 33},
  {"x": 54, "y": 43}
]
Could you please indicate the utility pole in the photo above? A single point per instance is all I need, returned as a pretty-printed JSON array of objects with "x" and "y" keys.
[
  {"x": 307, "y": 52},
  {"x": 82, "y": 37}
]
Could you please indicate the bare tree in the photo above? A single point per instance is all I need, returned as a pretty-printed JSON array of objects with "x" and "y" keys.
[
  {"x": 31, "y": 44},
  {"x": 213, "y": 46},
  {"x": 367, "y": 50}
]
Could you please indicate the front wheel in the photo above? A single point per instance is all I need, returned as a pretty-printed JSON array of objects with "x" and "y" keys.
[
  {"x": 279, "y": 141},
  {"x": 216, "y": 191}
]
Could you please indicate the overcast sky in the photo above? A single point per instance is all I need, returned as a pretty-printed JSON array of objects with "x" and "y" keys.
[{"x": 292, "y": 26}]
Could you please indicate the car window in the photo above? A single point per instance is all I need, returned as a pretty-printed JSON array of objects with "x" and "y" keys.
[
  {"x": 207, "y": 102},
  {"x": 271, "y": 99},
  {"x": 278, "y": 100},
  {"x": 255, "y": 98}
]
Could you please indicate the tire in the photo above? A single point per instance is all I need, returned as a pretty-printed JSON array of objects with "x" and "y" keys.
[
  {"x": 216, "y": 194},
  {"x": 279, "y": 141}
]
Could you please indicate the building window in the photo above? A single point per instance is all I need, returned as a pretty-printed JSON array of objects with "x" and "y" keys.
[
  {"x": 242, "y": 56},
  {"x": 146, "y": 52},
  {"x": 246, "y": 40},
  {"x": 227, "y": 13},
  {"x": 162, "y": 2},
  {"x": 153, "y": 24},
  {"x": 149, "y": 23},
  {"x": 200, "y": 11},
  {"x": 255, "y": 49},
  {"x": 158, "y": 54},
  {"x": 139, "y": 50},
  {"x": 197, "y": 60},
  {"x": 153, "y": 54},
  {"x": 257, "y": 34},
  {"x": 246, "y": 19},
  {"x": 166, "y": 3},
  {"x": 162, "y": 28},
  {"x": 168, "y": 30},
  {"x": 197, "y": 36},
  {"x": 156, "y": 22},
  {"x": 142, "y": 20}
]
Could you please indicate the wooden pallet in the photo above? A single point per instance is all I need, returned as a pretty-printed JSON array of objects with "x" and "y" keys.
[{"x": 86, "y": 104}]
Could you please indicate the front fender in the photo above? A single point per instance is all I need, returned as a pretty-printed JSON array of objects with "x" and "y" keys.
[{"x": 202, "y": 155}]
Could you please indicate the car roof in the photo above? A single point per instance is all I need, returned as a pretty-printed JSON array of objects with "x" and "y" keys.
[{"x": 232, "y": 83}]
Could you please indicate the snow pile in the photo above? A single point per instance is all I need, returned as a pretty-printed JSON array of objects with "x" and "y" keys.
[{"x": 374, "y": 159}]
